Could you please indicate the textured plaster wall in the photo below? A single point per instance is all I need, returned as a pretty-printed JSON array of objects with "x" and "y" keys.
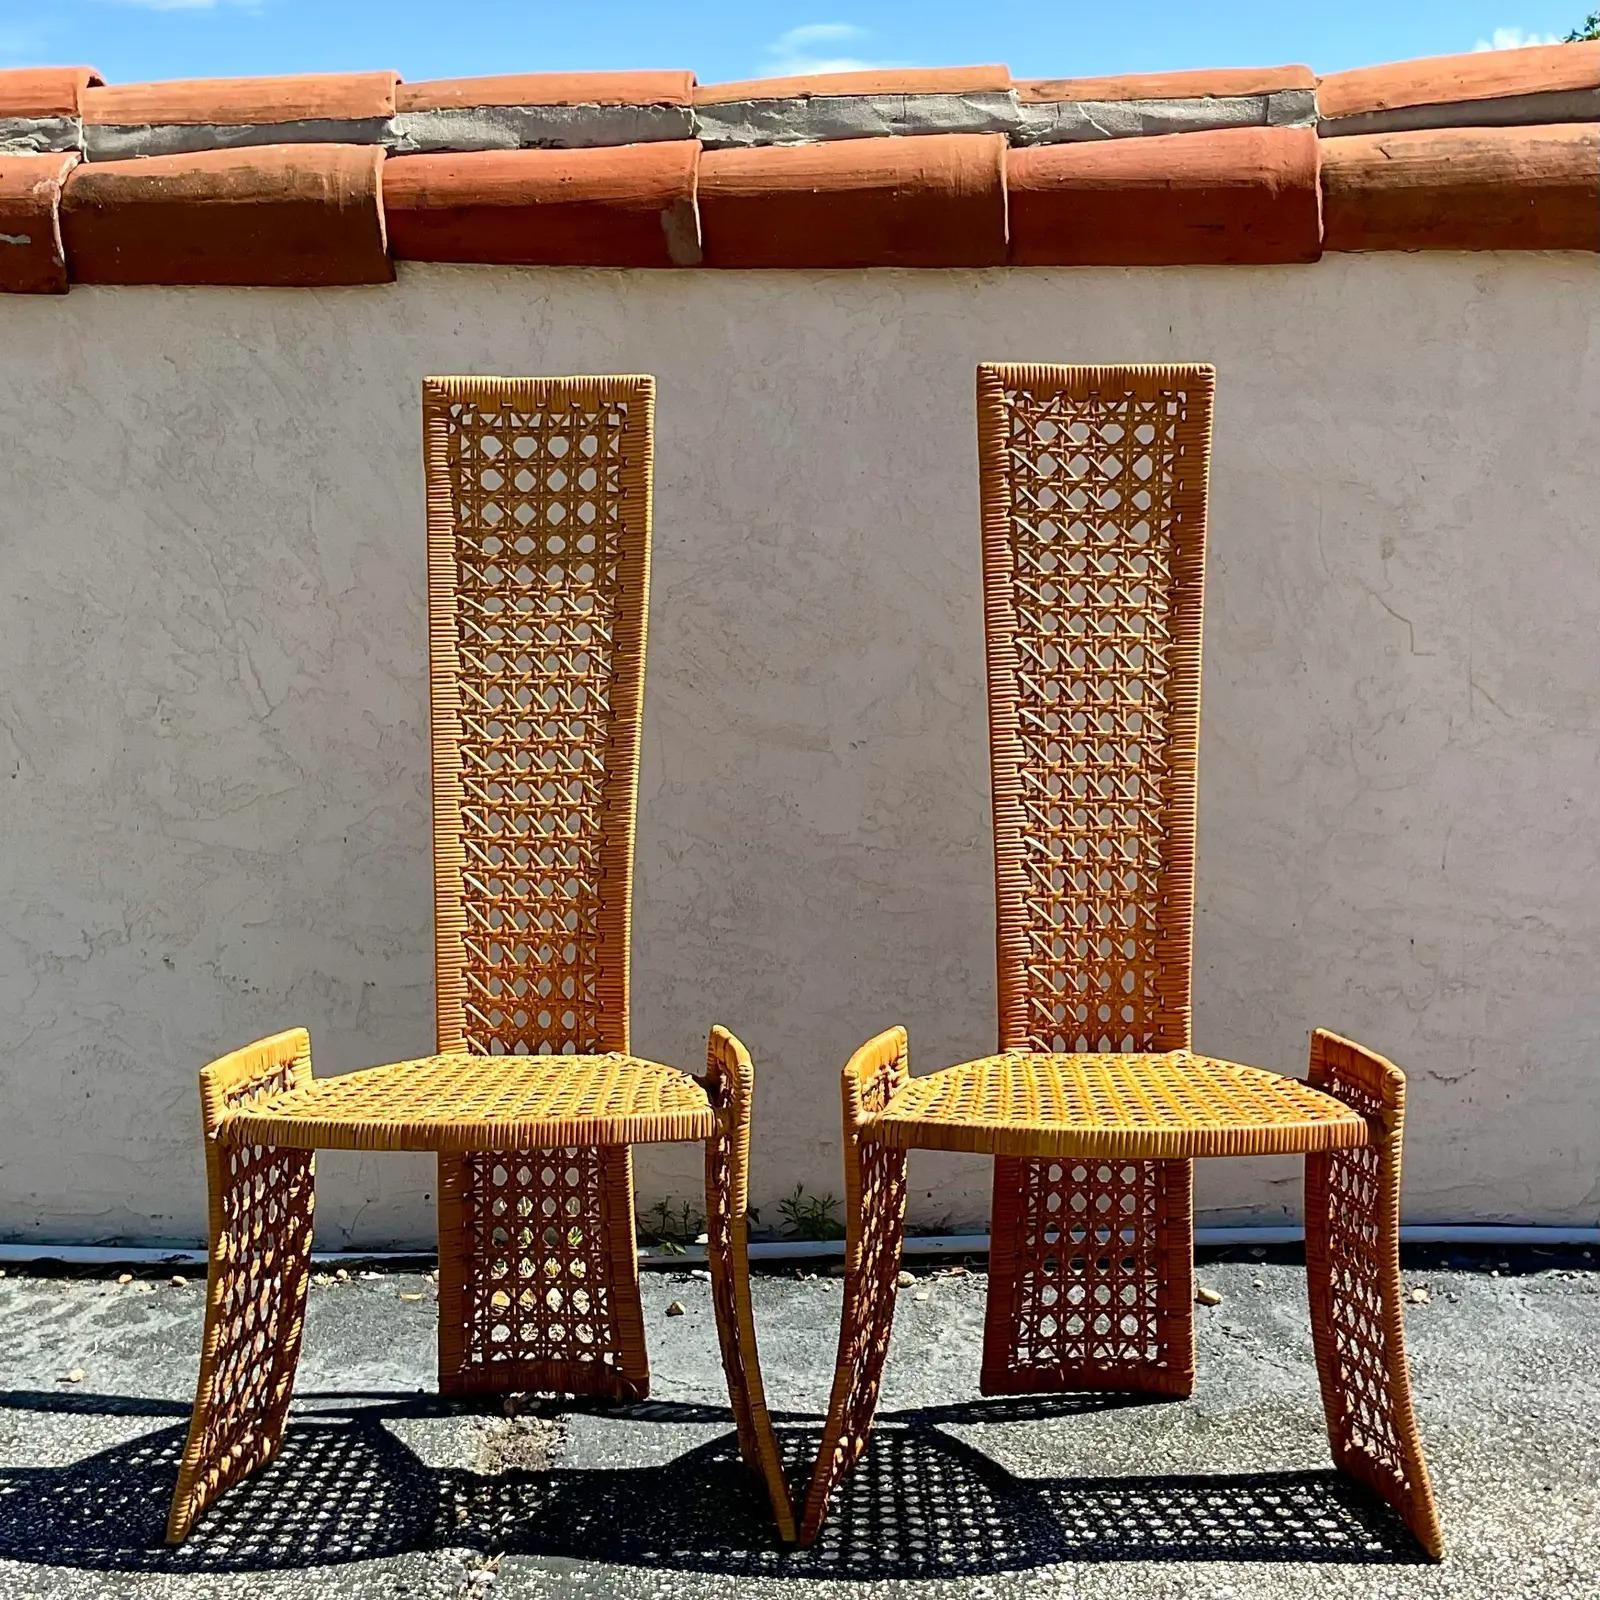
[{"x": 213, "y": 766}]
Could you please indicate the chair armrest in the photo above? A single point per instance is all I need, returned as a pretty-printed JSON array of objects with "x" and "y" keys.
[
  {"x": 1361, "y": 1078},
  {"x": 730, "y": 1076},
  {"x": 267, "y": 1067},
  {"x": 873, "y": 1074}
]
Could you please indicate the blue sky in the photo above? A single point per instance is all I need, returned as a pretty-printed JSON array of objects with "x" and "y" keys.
[{"x": 131, "y": 40}]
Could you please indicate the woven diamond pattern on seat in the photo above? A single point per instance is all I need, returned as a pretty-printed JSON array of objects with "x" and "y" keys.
[
  {"x": 1122, "y": 1106},
  {"x": 472, "y": 1102}
]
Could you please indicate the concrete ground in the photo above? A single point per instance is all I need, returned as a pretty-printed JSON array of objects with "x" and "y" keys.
[{"x": 381, "y": 1490}]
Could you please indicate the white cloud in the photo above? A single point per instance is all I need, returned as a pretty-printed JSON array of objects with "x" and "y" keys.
[
  {"x": 809, "y": 49},
  {"x": 1514, "y": 39}
]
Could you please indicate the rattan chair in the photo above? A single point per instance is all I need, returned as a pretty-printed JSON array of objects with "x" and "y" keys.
[
  {"x": 1093, "y": 483},
  {"x": 539, "y": 497}
]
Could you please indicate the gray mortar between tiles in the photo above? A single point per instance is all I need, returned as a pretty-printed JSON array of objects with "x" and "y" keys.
[{"x": 1506, "y": 1376}]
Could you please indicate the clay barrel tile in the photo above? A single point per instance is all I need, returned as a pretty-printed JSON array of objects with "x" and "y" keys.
[
  {"x": 543, "y": 110},
  {"x": 938, "y": 201},
  {"x": 549, "y": 89},
  {"x": 39, "y": 108},
  {"x": 1489, "y": 88},
  {"x": 855, "y": 105},
  {"x": 1067, "y": 110},
  {"x": 1238, "y": 195},
  {"x": 193, "y": 114},
  {"x": 1463, "y": 189},
  {"x": 893, "y": 80},
  {"x": 31, "y": 258},
  {"x": 628, "y": 207},
  {"x": 278, "y": 215},
  {"x": 1209, "y": 83},
  {"x": 44, "y": 91}
]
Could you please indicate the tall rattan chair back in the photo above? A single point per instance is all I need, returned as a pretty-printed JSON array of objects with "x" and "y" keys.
[
  {"x": 538, "y": 577},
  {"x": 1094, "y": 492},
  {"x": 539, "y": 511},
  {"x": 1094, "y": 521}
]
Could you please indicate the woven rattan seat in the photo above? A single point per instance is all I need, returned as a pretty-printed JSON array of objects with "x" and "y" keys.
[
  {"x": 462, "y": 1102},
  {"x": 1115, "y": 1107}
]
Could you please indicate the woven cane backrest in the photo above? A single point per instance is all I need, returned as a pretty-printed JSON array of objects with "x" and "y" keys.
[
  {"x": 538, "y": 568},
  {"x": 1093, "y": 485}
]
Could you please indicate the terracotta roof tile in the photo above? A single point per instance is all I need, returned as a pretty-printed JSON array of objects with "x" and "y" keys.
[
  {"x": 1234, "y": 195},
  {"x": 570, "y": 110},
  {"x": 549, "y": 89},
  {"x": 629, "y": 207},
  {"x": 43, "y": 91},
  {"x": 1065, "y": 110},
  {"x": 152, "y": 119},
  {"x": 243, "y": 100},
  {"x": 1463, "y": 189},
  {"x": 908, "y": 80},
  {"x": 278, "y": 179},
  {"x": 933, "y": 202},
  {"x": 1547, "y": 83},
  {"x": 31, "y": 257},
  {"x": 1212, "y": 82},
  {"x": 304, "y": 215}
]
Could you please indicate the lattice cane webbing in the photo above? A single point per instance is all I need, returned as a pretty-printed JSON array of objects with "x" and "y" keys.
[
  {"x": 542, "y": 1291},
  {"x": 538, "y": 569},
  {"x": 1353, "y": 1272},
  {"x": 875, "y": 1206},
  {"x": 260, "y": 1203},
  {"x": 1093, "y": 484},
  {"x": 730, "y": 1083},
  {"x": 1096, "y": 1265}
]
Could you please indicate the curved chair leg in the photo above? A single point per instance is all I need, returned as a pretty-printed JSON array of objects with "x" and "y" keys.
[
  {"x": 1091, "y": 1277},
  {"x": 730, "y": 1082},
  {"x": 1353, "y": 1269},
  {"x": 260, "y": 1225},
  {"x": 539, "y": 1275},
  {"x": 875, "y": 1208}
]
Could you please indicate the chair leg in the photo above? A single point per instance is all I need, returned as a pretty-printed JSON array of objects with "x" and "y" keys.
[
  {"x": 260, "y": 1257},
  {"x": 1353, "y": 1271},
  {"x": 875, "y": 1208},
  {"x": 539, "y": 1275},
  {"x": 1091, "y": 1278},
  {"x": 730, "y": 1081}
]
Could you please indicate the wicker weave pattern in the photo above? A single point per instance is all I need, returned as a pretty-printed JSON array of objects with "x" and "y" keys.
[
  {"x": 538, "y": 576},
  {"x": 1094, "y": 491},
  {"x": 730, "y": 1082},
  {"x": 549, "y": 1305},
  {"x": 1353, "y": 1267},
  {"x": 875, "y": 1206},
  {"x": 1093, "y": 483},
  {"x": 1177, "y": 1104},
  {"x": 462, "y": 1102},
  {"x": 1097, "y": 1259},
  {"x": 260, "y": 1227}
]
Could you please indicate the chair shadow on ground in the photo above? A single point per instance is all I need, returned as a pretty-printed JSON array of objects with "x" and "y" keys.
[{"x": 923, "y": 1503}]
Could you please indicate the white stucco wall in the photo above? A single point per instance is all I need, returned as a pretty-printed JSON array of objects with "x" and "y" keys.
[{"x": 213, "y": 764}]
